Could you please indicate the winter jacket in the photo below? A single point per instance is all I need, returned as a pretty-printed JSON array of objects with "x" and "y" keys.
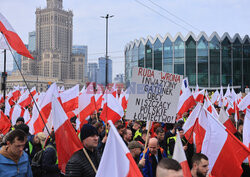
[
  {"x": 149, "y": 169},
  {"x": 49, "y": 162},
  {"x": 79, "y": 166},
  {"x": 8, "y": 168}
]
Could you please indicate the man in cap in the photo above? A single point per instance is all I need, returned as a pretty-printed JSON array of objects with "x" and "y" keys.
[
  {"x": 135, "y": 149},
  {"x": 79, "y": 165}
]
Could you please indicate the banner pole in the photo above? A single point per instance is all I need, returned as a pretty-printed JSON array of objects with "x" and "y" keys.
[{"x": 146, "y": 143}]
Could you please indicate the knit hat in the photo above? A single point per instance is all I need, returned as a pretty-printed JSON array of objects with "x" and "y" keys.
[
  {"x": 87, "y": 130},
  {"x": 134, "y": 144},
  {"x": 20, "y": 119}
]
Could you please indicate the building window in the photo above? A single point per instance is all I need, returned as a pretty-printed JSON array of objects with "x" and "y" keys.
[
  {"x": 191, "y": 61},
  {"x": 148, "y": 56},
  {"x": 158, "y": 55},
  {"x": 202, "y": 55},
  {"x": 168, "y": 56},
  {"x": 179, "y": 56},
  {"x": 226, "y": 62},
  {"x": 141, "y": 55},
  {"x": 237, "y": 63},
  {"x": 214, "y": 52},
  {"x": 246, "y": 63}
]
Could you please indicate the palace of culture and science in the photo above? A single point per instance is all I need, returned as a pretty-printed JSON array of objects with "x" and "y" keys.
[{"x": 53, "y": 57}]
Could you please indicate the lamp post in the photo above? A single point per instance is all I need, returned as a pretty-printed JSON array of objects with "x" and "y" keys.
[{"x": 106, "y": 54}]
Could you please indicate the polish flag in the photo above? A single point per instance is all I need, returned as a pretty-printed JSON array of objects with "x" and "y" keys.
[
  {"x": 199, "y": 96},
  {"x": 210, "y": 107},
  {"x": 180, "y": 156},
  {"x": 200, "y": 130},
  {"x": 116, "y": 160},
  {"x": 224, "y": 151},
  {"x": 246, "y": 131},
  {"x": 1, "y": 99},
  {"x": 26, "y": 98},
  {"x": 215, "y": 96},
  {"x": 245, "y": 102},
  {"x": 69, "y": 98},
  {"x": 220, "y": 98},
  {"x": 26, "y": 116},
  {"x": 13, "y": 39},
  {"x": 67, "y": 142},
  {"x": 98, "y": 97},
  {"x": 7, "y": 107},
  {"x": 190, "y": 123},
  {"x": 112, "y": 110},
  {"x": 224, "y": 119},
  {"x": 196, "y": 89},
  {"x": 86, "y": 103},
  {"x": 186, "y": 100},
  {"x": 37, "y": 122},
  {"x": 16, "y": 112},
  {"x": 4, "y": 123}
]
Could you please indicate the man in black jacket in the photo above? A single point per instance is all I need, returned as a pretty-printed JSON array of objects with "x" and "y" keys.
[{"x": 79, "y": 165}]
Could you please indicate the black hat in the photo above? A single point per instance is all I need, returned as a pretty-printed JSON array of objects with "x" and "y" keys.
[
  {"x": 20, "y": 119},
  {"x": 87, "y": 130}
]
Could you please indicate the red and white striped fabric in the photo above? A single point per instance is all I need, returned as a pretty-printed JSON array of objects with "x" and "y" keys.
[
  {"x": 26, "y": 98},
  {"x": 224, "y": 119},
  {"x": 86, "y": 103},
  {"x": 246, "y": 132},
  {"x": 190, "y": 123},
  {"x": 186, "y": 99},
  {"x": 210, "y": 107},
  {"x": 5, "y": 123},
  {"x": 98, "y": 97},
  {"x": 215, "y": 96},
  {"x": 220, "y": 98},
  {"x": 180, "y": 156},
  {"x": 224, "y": 151},
  {"x": 112, "y": 110},
  {"x": 69, "y": 98},
  {"x": 67, "y": 141},
  {"x": 1, "y": 99},
  {"x": 13, "y": 39},
  {"x": 116, "y": 160},
  {"x": 26, "y": 116},
  {"x": 245, "y": 102},
  {"x": 37, "y": 122},
  {"x": 16, "y": 112},
  {"x": 199, "y": 96}
]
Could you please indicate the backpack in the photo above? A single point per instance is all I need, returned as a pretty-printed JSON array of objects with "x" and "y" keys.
[{"x": 36, "y": 164}]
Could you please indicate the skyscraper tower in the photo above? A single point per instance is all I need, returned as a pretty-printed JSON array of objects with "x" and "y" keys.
[{"x": 54, "y": 39}]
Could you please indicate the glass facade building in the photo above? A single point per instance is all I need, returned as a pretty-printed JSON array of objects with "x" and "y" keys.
[{"x": 210, "y": 62}]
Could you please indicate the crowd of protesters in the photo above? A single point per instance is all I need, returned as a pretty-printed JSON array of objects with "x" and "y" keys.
[{"x": 19, "y": 149}]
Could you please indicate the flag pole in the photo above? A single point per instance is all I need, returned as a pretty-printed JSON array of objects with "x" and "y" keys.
[
  {"x": 90, "y": 161},
  {"x": 26, "y": 85},
  {"x": 146, "y": 143}
]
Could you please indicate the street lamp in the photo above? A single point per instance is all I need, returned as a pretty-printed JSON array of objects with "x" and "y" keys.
[{"x": 106, "y": 55}]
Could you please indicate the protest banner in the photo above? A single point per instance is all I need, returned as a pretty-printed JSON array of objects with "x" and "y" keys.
[{"x": 154, "y": 95}]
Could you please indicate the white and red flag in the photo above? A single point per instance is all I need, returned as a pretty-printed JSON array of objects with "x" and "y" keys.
[
  {"x": 26, "y": 98},
  {"x": 180, "y": 156},
  {"x": 5, "y": 123},
  {"x": 199, "y": 96},
  {"x": 215, "y": 96},
  {"x": 246, "y": 131},
  {"x": 37, "y": 122},
  {"x": 116, "y": 160},
  {"x": 224, "y": 119},
  {"x": 69, "y": 98},
  {"x": 67, "y": 141},
  {"x": 86, "y": 103},
  {"x": 16, "y": 112},
  {"x": 224, "y": 151},
  {"x": 112, "y": 110},
  {"x": 12, "y": 37},
  {"x": 186, "y": 99},
  {"x": 98, "y": 97}
]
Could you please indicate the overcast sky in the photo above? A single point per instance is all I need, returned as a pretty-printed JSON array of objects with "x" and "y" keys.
[{"x": 132, "y": 20}]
